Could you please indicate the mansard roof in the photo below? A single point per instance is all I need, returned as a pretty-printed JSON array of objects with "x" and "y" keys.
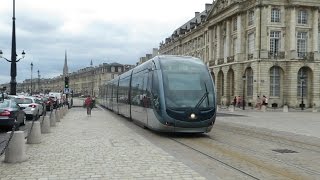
[{"x": 198, "y": 19}]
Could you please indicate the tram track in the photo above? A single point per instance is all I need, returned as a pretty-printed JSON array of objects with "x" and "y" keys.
[{"x": 246, "y": 160}]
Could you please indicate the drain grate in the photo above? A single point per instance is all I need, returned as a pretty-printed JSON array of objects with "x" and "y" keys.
[{"x": 284, "y": 151}]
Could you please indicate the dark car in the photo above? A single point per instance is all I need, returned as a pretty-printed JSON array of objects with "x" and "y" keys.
[{"x": 11, "y": 113}]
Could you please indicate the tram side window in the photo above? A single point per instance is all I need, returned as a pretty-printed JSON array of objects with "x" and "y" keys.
[
  {"x": 155, "y": 91},
  {"x": 123, "y": 90},
  {"x": 138, "y": 89}
]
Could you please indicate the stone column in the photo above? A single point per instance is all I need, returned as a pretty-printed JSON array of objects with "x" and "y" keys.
[
  {"x": 228, "y": 34},
  {"x": 240, "y": 39},
  {"x": 218, "y": 54},
  {"x": 315, "y": 28},
  {"x": 292, "y": 26}
]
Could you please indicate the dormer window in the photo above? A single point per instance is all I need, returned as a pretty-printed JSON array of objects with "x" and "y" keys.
[
  {"x": 275, "y": 15},
  {"x": 235, "y": 24},
  {"x": 302, "y": 17}
]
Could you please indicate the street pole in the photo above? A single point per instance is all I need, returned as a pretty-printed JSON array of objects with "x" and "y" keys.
[
  {"x": 13, "y": 72},
  {"x": 31, "y": 77},
  {"x": 302, "y": 81},
  {"x": 244, "y": 82}
]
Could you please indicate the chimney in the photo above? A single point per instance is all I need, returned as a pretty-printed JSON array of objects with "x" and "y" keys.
[
  {"x": 208, "y": 7},
  {"x": 196, "y": 14}
]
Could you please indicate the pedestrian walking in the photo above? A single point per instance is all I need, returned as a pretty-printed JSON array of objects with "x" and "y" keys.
[
  {"x": 264, "y": 100},
  {"x": 88, "y": 104},
  {"x": 258, "y": 103}
]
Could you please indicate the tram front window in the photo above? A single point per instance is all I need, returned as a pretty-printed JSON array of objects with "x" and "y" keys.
[{"x": 185, "y": 87}]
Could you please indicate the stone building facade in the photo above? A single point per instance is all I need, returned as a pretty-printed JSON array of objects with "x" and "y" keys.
[{"x": 255, "y": 48}]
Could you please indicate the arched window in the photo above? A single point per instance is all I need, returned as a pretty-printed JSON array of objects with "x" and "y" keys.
[
  {"x": 275, "y": 81},
  {"x": 302, "y": 82},
  {"x": 249, "y": 76}
]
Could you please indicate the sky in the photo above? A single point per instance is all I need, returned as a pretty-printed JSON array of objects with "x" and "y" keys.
[{"x": 103, "y": 31}]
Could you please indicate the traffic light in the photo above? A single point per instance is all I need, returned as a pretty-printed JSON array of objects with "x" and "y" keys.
[{"x": 66, "y": 82}]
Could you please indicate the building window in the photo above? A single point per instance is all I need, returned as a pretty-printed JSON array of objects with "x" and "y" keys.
[
  {"x": 251, "y": 18},
  {"x": 275, "y": 81},
  {"x": 275, "y": 15},
  {"x": 302, "y": 17},
  {"x": 251, "y": 43},
  {"x": 112, "y": 69},
  {"x": 301, "y": 44},
  {"x": 274, "y": 42},
  {"x": 302, "y": 82},
  {"x": 235, "y": 23},
  {"x": 249, "y": 77}
]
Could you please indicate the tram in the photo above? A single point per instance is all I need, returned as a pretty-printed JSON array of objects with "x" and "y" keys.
[{"x": 166, "y": 93}]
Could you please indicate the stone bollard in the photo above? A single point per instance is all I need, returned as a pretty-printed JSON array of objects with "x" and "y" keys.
[
  {"x": 285, "y": 108},
  {"x": 16, "y": 150},
  {"x": 34, "y": 137},
  {"x": 314, "y": 109},
  {"x": 57, "y": 113},
  {"x": 218, "y": 109},
  {"x": 263, "y": 108},
  {"x": 52, "y": 119},
  {"x": 45, "y": 126},
  {"x": 231, "y": 108}
]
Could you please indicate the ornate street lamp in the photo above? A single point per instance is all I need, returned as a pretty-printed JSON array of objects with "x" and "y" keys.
[
  {"x": 244, "y": 82},
  {"x": 31, "y": 77},
  {"x": 14, "y": 60},
  {"x": 38, "y": 81}
]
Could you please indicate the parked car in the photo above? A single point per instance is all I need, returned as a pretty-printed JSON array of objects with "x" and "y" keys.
[
  {"x": 11, "y": 113},
  {"x": 30, "y": 107}
]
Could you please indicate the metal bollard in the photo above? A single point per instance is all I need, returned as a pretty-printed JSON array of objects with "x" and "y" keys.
[
  {"x": 52, "y": 119},
  {"x": 34, "y": 137},
  {"x": 16, "y": 150},
  {"x": 45, "y": 126}
]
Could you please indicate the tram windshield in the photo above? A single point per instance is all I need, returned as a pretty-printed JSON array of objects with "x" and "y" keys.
[{"x": 185, "y": 82}]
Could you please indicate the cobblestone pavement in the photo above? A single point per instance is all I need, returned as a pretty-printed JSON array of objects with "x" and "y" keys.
[{"x": 95, "y": 147}]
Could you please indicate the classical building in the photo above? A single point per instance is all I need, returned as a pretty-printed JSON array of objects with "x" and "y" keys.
[{"x": 255, "y": 48}]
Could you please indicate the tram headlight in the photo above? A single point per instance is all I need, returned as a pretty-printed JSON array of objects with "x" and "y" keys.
[{"x": 193, "y": 116}]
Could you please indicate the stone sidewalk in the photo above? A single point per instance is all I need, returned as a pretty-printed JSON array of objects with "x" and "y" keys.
[{"x": 95, "y": 147}]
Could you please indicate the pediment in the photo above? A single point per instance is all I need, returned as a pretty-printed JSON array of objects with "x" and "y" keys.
[{"x": 220, "y": 5}]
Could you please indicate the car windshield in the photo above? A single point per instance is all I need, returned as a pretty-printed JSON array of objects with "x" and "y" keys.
[
  {"x": 186, "y": 83},
  {"x": 24, "y": 100}
]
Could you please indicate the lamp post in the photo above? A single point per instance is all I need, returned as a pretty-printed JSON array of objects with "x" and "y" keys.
[
  {"x": 14, "y": 60},
  {"x": 302, "y": 81},
  {"x": 244, "y": 82},
  {"x": 38, "y": 81},
  {"x": 31, "y": 77}
]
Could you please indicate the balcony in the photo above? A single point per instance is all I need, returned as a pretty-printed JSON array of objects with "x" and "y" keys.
[
  {"x": 308, "y": 56},
  {"x": 230, "y": 59},
  {"x": 276, "y": 55},
  {"x": 220, "y": 61},
  {"x": 212, "y": 63}
]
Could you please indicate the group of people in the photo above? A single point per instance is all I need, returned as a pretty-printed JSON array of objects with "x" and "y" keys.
[{"x": 238, "y": 101}]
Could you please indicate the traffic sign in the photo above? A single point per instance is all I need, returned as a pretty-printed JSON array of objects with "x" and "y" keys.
[{"x": 67, "y": 90}]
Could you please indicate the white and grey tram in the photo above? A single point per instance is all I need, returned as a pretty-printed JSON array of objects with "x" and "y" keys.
[{"x": 166, "y": 93}]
